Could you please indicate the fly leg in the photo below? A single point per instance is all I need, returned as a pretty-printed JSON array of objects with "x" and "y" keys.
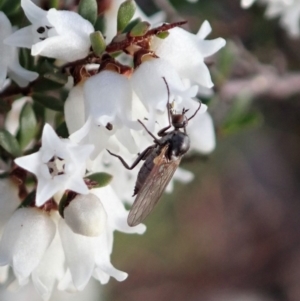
[
  {"x": 155, "y": 139},
  {"x": 141, "y": 157}
]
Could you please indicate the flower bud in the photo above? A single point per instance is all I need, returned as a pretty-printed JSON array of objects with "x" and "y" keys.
[{"x": 85, "y": 215}]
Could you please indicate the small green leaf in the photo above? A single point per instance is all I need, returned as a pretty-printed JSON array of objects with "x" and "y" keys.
[
  {"x": 139, "y": 29},
  {"x": 54, "y": 4},
  {"x": 10, "y": 7},
  {"x": 162, "y": 35},
  {"x": 125, "y": 14},
  {"x": 26, "y": 59},
  {"x": 62, "y": 204},
  {"x": 100, "y": 179},
  {"x": 131, "y": 24},
  {"x": 49, "y": 102},
  {"x": 28, "y": 126},
  {"x": 98, "y": 42},
  {"x": 9, "y": 143},
  {"x": 62, "y": 130},
  {"x": 88, "y": 9},
  {"x": 29, "y": 200},
  {"x": 57, "y": 77},
  {"x": 100, "y": 24},
  {"x": 44, "y": 84}
]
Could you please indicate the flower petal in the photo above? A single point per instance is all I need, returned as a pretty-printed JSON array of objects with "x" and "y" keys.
[
  {"x": 66, "y": 22},
  {"x": 26, "y": 237},
  {"x": 67, "y": 48},
  {"x": 21, "y": 38},
  {"x": 81, "y": 263},
  {"x": 20, "y": 75},
  {"x": 33, "y": 13}
]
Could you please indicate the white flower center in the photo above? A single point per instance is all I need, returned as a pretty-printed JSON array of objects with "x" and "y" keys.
[
  {"x": 56, "y": 166},
  {"x": 42, "y": 32}
]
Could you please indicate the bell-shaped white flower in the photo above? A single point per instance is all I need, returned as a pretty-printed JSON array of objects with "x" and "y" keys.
[
  {"x": 9, "y": 60},
  {"x": 149, "y": 85},
  {"x": 25, "y": 240},
  {"x": 58, "y": 165},
  {"x": 116, "y": 213},
  {"x": 85, "y": 215},
  {"x": 9, "y": 200},
  {"x": 186, "y": 52},
  {"x": 74, "y": 109},
  {"x": 84, "y": 261},
  {"x": 202, "y": 134},
  {"x": 62, "y": 35},
  {"x": 50, "y": 269},
  {"x": 108, "y": 97}
]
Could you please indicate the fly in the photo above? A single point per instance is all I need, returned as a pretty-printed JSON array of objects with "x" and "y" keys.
[{"x": 161, "y": 161}]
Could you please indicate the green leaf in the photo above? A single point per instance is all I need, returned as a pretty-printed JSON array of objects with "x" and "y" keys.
[
  {"x": 11, "y": 7},
  {"x": 100, "y": 179},
  {"x": 9, "y": 143},
  {"x": 54, "y": 4},
  {"x": 100, "y": 24},
  {"x": 57, "y": 77},
  {"x": 64, "y": 201},
  {"x": 125, "y": 14},
  {"x": 44, "y": 84},
  {"x": 140, "y": 29},
  {"x": 163, "y": 35},
  {"x": 49, "y": 102},
  {"x": 131, "y": 24},
  {"x": 26, "y": 59},
  {"x": 5, "y": 106},
  {"x": 88, "y": 9},
  {"x": 98, "y": 42},
  {"x": 62, "y": 130},
  {"x": 28, "y": 126},
  {"x": 29, "y": 200}
]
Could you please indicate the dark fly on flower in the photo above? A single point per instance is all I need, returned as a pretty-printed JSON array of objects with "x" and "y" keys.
[{"x": 161, "y": 161}]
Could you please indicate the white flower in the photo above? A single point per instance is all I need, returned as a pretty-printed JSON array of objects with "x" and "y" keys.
[
  {"x": 108, "y": 97},
  {"x": 287, "y": 10},
  {"x": 148, "y": 84},
  {"x": 51, "y": 268},
  {"x": 247, "y": 3},
  {"x": 58, "y": 165},
  {"x": 92, "y": 256},
  {"x": 26, "y": 237},
  {"x": 57, "y": 34},
  {"x": 85, "y": 215},
  {"x": 186, "y": 52},
  {"x": 9, "y": 60}
]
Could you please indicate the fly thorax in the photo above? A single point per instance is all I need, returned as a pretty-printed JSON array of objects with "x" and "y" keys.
[{"x": 179, "y": 145}]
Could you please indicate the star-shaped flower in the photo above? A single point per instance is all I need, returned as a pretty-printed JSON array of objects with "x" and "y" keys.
[
  {"x": 187, "y": 51},
  {"x": 62, "y": 35},
  {"x": 58, "y": 165}
]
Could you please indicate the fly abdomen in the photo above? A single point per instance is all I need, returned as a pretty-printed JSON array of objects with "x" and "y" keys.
[{"x": 144, "y": 172}]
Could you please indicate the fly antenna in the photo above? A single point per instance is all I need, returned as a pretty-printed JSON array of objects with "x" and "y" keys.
[
  {"x": 168, "y": 103},
  {"x": 196, "y": 111}
]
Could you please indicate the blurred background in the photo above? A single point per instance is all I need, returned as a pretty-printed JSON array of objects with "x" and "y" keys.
[{"x": 234, "y": 232}]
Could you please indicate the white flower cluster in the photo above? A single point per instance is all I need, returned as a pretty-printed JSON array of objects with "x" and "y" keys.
[
  {"x": 288, "y": 12},
  {"x": 101, "y": 112}
]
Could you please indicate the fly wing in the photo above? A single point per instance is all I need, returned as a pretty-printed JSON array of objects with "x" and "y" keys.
[{"x": 154, "y": 186}]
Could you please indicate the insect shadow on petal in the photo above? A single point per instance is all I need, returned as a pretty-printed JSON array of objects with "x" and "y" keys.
[{"x": 161, "y": 161}]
